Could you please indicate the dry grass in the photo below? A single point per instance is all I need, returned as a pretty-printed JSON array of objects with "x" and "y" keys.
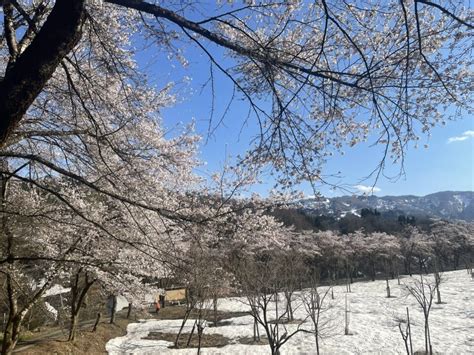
[
  {"x": 52, "y": 341},
  {"x": 86, "y": 342}
]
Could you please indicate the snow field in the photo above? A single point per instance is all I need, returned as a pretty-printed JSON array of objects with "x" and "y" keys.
[{"x": 372, "y": 323}]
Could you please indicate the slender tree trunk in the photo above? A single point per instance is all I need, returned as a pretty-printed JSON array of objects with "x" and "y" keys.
[
  {"x": 214, "y": 307},
  {"x": 428, "y": 349},
  {"x": 289, "y": 306},
  {"x": 409, "y": 331},
  {"x": 73, "y": 326},
  {"x": 256, "y": 334},
  {"x": 113, "y": 311},
  {"x": 191, "y": 334},
  {"x": 348, "y": 281},
  {"x": 316, "y": 338},
  {"x": 438, "y": 292},
  {"x": 129, "y": 311},
  {"x": 373, "y": 270},
  {"x": 276, "y": 317},
  {"x": 346, "y": 319},
  {"x": 186, "y": 316},
  {"x": 200, "y": 330},
  {"x": 97, "y": 320}
]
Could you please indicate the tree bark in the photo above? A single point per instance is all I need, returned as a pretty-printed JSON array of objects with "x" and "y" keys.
[
  {"x": 77, "y": 300},
  {"x": 97, "y": 320},
  {"x": 27, "y": 76},
  {"x": 113, "y": 310}
]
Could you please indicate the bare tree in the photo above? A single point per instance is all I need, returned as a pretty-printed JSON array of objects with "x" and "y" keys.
[
  {"x": 423, "y": 291},
  {"x": 315, "y": 307},
  {"x": 260, "y": 284},
  {"x": 405, "y": 333}
]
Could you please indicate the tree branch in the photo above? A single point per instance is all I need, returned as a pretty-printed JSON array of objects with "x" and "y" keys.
[{"x": 34, "y": 67}]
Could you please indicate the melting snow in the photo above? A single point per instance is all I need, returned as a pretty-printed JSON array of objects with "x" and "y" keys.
[{"x": 371, "y": 323}]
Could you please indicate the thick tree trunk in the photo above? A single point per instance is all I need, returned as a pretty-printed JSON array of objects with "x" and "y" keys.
[
  {"x": 16, "y": 315},
  {"x": 27, "y": 76},
  {"x": 10, "y": 337},
  {"x": 11, "y": 334},
  {"x": 73, "y": 326},
  {"x": 78, "y": 296}
]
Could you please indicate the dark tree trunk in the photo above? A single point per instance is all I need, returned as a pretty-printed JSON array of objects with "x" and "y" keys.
[
  {"x": 113, "y": 311},
  {"x": 214, "y": 306},
  {"x": 27, "y": 76},
  {"x": 97, "y": 320},
  {"x": 78, "y": 296},
  {"x": 373, "y": 270},
  {"x": 11, "y": 335}
]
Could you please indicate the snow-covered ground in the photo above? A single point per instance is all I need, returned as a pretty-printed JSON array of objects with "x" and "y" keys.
[{"x": 372, "y": 323}]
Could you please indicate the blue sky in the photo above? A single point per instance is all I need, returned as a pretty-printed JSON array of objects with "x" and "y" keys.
[{"x": 447, "y": 163}]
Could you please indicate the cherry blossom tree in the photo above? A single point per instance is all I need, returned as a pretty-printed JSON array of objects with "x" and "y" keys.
[
  {"x": 451, "y": 241},
  {"x": 30, "y": 261},
  {"x": 332, "y": 249},
  {"x": 316, "y": 75},
  {"x": 82, "y": 142}
]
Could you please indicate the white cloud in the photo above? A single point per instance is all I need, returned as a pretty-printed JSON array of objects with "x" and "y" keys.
[
  {"x": 462, "y": 137},
  {"x": 367, "y": 189}
]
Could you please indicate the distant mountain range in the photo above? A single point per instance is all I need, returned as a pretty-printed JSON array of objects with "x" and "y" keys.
[{"x": 445, "y": 204}]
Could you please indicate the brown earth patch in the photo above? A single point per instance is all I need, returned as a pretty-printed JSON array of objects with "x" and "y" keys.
[
  {"x": 251, "y": 341},
  {"x": 177, "y": 312},
  {"x": 207, "y": 340}
]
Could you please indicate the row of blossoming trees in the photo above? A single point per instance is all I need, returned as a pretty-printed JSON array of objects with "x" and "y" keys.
[
  {"x": 80, "y": 239},
  {"x": 263, "y": 261}
]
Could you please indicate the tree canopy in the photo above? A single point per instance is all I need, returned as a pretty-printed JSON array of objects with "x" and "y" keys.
[{"x": 316, "y": 75}]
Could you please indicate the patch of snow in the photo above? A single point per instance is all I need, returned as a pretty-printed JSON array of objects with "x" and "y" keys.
[
  {"x": 56, "y": 290},
  {"x": 355, "y": 212},
  {"x": 51, "y": 310},
  {"x": 122, "y": 303}
]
